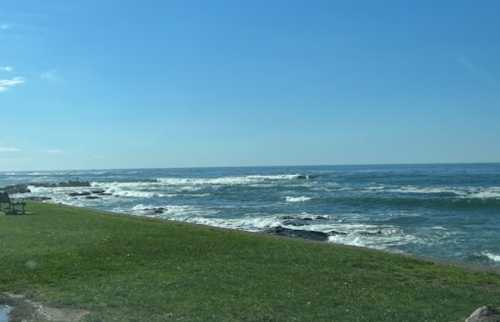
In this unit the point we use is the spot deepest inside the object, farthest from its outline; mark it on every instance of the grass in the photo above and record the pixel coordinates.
(124, 268)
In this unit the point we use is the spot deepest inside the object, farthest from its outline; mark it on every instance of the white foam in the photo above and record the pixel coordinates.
(252, 224)
(138, 193)
(297, 199)
(235, 180)
(172, 211)
(372, 236)
(463, 192)
(438, 228)
(143, 189)
(427, 190)
(491, 256)
(486, 193)
(376, 188)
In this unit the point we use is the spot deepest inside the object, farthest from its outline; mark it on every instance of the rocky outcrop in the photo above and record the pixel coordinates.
(484, 314)
(301, 220)
(296, 233)
(154, 211)
(79, 194)
(64, 184)
(18, 188)
(336, 233)
(24, 187)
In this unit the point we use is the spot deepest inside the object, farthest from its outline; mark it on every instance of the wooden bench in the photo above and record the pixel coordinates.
(11, 207)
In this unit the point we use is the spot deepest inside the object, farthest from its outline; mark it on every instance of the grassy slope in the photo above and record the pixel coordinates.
(130, 269)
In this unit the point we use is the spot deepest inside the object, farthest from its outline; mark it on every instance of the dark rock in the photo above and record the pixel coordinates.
(92, 197)
(484, 314)
(74, 184)
(65, 184)
(155, 211)
(306, 176)
(370, 233)
(334, 233)
(18, 188)
(98, 191)
(79, 194)
(305, 234)
(301, 220)
(297, 222)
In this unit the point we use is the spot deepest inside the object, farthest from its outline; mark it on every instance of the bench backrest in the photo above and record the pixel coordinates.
(4, 197)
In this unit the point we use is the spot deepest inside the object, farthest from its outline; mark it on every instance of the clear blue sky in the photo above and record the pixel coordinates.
(117, 84)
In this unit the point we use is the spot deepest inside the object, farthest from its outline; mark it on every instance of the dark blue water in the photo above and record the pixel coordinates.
(441, 211)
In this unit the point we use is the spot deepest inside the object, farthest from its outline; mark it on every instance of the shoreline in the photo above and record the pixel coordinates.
(76, 258)
(419, 210)
(469, 266)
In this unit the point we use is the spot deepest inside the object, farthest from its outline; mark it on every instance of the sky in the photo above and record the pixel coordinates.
(133, 84)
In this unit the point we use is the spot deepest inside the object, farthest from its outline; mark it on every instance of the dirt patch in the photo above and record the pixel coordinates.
(25, 310)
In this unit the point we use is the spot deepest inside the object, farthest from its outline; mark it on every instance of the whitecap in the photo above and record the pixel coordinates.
(137, 193)
(372, 236)
(297, 199)
(177, 212)
(252, 224)
(235, 180)
(492, 256)
(428, 190)
(486, 193)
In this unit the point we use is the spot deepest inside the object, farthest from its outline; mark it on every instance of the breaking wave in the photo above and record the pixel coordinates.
(297, 199)
(491, 256)
(237, 180)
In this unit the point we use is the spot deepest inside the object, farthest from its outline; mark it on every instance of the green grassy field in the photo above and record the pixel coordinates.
(123, 268)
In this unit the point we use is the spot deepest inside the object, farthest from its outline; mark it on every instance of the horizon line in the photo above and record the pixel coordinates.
(261, 166)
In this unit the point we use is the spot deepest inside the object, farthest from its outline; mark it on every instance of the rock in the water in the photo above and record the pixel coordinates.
(297, 222)
(335, 233)
(79, 194)
(18, 188)
(74, 184)
(65, 184)
(92, 197)
(153, 211)
(305, 234)
(98, 191)
(370, 233)
(484, 314)
(301, 220)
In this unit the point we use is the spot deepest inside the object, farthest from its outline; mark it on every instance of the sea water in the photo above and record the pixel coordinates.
(449, 212)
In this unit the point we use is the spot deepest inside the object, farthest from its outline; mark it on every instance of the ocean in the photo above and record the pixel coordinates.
(448, 211)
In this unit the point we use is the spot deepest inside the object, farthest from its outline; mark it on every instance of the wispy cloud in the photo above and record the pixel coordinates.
(9, 149)
(6, 68)
(5, 84)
